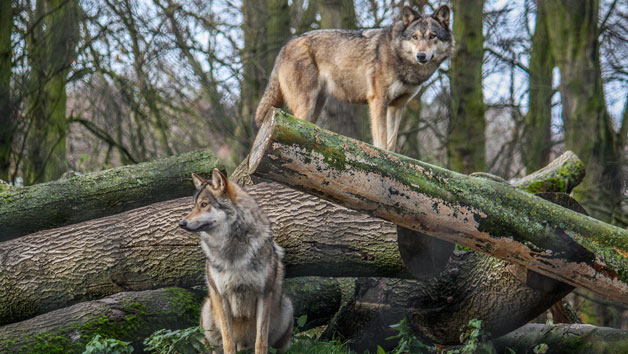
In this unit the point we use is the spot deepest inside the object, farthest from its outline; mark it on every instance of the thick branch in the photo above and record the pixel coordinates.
(92, 195)
(482, 214)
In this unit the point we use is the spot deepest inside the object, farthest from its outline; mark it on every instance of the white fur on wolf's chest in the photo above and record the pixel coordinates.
(398, 89)
(237, 282)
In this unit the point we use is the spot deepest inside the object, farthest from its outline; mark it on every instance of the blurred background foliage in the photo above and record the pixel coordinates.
(91, 84)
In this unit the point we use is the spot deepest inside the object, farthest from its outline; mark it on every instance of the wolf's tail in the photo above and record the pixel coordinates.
(272, 98)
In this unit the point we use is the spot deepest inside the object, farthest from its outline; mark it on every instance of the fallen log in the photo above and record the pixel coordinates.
(133, 316)
(482, 214)
(81, 197)
(126, 316)
(471, 285)
(145, 249)
(573, 339)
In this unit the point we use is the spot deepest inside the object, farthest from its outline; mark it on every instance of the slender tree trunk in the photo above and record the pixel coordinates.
(51, 49)
(466, 145)
(266, 28)
(6, 107)
(573, 31)
(538, 122)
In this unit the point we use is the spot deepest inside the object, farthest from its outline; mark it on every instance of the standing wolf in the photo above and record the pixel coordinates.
(382, 67)
(244, 272)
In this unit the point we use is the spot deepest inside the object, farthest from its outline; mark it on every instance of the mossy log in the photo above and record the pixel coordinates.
(133, 316)
(483, 214)
(81, 197)
(128, 316)
(572, 339)
(471, 285)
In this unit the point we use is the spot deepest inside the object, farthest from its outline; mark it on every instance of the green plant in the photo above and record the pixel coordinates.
(184, 341)
(101, 345)
(408, 342)
(475, 340)
(540, 348)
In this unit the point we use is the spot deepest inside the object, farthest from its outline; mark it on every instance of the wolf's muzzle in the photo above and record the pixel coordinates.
(204, 227)
(422, 58)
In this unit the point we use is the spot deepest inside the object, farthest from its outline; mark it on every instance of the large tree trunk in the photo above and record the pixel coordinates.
(466, 145)
(92, 195)
(482, 214)
(538, 121)
(6, 107)
(132, 316)
(572, 339)
(53, 35)
(574, 33)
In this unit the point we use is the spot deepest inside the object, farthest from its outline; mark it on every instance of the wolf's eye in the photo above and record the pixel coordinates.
(203, 204)
(432, 36)
(415, 37)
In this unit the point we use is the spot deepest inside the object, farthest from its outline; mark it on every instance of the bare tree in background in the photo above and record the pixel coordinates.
(51, 49)
(466, 131)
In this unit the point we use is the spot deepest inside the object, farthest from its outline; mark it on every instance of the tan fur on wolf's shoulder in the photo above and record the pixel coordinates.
(246, 305)
(380, 67)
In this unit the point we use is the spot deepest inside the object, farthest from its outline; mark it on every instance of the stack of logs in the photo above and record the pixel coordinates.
(102, 252)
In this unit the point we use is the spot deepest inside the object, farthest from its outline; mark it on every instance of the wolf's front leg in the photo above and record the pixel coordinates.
(263, 321)
(393, 118)
(223, 312)
(377, 112)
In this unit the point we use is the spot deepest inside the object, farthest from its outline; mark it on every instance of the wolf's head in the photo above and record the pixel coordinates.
(426, 38)
(214, 205)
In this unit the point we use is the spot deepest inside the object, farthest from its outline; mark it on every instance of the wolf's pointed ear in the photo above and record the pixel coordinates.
(442, 15)
(408, 15)
(198, 180)
(219, 181)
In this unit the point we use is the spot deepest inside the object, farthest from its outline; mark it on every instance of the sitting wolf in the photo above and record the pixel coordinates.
(244, 272)
(382, 67)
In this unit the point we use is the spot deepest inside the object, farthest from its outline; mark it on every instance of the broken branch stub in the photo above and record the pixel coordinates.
(489, 216)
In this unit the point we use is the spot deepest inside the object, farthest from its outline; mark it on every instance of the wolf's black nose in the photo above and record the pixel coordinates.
(183, 223)
(421, 57)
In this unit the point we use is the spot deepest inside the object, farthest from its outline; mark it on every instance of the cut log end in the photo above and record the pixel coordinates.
(262, 140)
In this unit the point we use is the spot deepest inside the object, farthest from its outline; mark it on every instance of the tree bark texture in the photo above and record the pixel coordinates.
(92, 195)
(144, 248)
(466, 145)
(133, 316)
(573, 339)
(482, 214)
